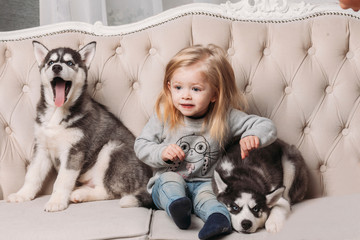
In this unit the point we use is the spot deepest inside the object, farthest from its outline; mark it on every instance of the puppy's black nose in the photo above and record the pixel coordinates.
(246, 224)
(57, 68)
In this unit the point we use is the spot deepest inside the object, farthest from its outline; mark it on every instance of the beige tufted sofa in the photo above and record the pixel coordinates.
(297, 64)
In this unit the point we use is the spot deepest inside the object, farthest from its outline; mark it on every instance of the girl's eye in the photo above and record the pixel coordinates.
(177, 87)
(196, 89)
(69, 63)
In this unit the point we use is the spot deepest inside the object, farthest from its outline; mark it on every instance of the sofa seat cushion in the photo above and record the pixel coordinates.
(327, 218)
(91, 220)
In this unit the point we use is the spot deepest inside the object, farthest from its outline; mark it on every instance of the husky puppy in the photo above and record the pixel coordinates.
(88, 146)
(260, 189)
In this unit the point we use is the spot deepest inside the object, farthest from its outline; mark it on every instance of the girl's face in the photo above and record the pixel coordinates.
(190, 91)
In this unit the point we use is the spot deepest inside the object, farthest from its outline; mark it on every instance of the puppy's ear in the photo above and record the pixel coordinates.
(40, 52)
(87, 53)
(220, 184)
(273, 197)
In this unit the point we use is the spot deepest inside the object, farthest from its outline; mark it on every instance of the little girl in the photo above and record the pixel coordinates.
(198, 112)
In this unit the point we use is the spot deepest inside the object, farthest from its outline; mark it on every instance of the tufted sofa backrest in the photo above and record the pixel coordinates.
(302, 72)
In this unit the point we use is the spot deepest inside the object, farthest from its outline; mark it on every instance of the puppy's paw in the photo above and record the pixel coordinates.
(129, 201)
(18, 198)
(274, 224)
(55, 206)
(57, 202)
(78, 196)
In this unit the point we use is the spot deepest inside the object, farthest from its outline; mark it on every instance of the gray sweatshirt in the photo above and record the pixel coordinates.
(201, 150)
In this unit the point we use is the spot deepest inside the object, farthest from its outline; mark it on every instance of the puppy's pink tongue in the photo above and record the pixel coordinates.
(60, 93)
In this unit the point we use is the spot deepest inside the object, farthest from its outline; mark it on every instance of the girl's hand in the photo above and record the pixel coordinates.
(247, 144)
(173, 152)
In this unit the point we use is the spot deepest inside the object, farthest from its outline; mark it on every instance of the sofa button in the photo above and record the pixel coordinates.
(307, 130)
(248, 89)
(8, 130)
(345, 132)
(349, 55)
(98, 86)
(119, 50)
(152, 51)
(266, 52)
(329, 89)
(7, 54)
(323, 168)
(311, 51)
(288, 90)
(231, 51)
(25, 89)
(136, 85)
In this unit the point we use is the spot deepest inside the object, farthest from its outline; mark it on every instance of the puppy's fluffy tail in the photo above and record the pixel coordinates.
(140, 199)
(299, 186)
(145, 199)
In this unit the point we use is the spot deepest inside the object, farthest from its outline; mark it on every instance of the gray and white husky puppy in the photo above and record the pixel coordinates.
(88, 146)
(260, 189)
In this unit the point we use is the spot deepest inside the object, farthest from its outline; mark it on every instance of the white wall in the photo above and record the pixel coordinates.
(18, 14)
(127, 11)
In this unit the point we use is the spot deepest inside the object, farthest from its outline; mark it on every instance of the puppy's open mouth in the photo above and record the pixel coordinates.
(61, 89)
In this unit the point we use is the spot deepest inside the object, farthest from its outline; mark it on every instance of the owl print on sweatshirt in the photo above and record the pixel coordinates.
(198, 157)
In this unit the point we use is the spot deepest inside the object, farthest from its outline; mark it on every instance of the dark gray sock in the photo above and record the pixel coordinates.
(215, 225)
(180, 211)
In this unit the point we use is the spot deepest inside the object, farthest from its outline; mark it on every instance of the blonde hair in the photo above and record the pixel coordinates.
(220, 75)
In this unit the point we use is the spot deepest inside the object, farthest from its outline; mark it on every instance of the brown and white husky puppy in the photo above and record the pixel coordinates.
(259, 190)
(88, 146)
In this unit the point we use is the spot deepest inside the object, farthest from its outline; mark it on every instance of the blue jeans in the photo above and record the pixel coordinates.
(171, 186)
